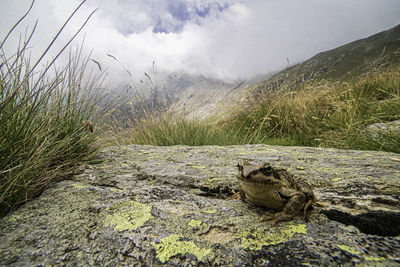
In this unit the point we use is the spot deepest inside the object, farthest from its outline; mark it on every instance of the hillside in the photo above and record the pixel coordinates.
(347, 62)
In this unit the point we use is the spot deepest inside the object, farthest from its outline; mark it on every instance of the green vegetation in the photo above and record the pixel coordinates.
(324, 114)
(45, 120)
(312, 113)
(166, 129)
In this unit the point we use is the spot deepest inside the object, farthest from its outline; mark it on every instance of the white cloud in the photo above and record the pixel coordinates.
(226, 39)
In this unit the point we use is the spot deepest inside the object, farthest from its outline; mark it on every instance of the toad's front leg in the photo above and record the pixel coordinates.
(295, 202)
(239, 195)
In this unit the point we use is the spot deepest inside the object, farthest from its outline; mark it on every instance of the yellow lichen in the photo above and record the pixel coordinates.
(80, 186)
(195, 223)
(349, 249)
(117, 190)
(198, 166)
(370, 258)
(171, 246)
(256, 239)
(210, 211)
(212, 181)
(128, 215)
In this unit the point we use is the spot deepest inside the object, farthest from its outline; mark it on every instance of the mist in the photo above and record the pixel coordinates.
(227, 39)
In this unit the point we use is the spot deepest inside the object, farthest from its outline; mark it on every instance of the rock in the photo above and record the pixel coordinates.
(378, 131)
(153, 206)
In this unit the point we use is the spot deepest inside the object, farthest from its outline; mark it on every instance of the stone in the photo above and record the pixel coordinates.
(163, 206)
(378, 131)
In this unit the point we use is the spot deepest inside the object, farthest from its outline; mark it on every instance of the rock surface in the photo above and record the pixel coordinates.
(377, 131)
(153, 206)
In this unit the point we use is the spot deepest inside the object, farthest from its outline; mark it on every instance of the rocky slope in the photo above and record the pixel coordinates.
(208, 97)
(153, 206)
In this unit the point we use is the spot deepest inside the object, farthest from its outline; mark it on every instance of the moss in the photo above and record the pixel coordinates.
(128, 215)
(349, 249)
(171, 246)
(195, 223)
(256, 239)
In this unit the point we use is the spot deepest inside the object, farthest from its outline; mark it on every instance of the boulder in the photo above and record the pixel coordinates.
(155, 206)
(378, 131)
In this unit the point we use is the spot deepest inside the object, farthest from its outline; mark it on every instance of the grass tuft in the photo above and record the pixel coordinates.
(45, 122)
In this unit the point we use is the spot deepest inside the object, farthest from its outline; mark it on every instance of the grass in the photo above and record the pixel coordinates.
(45, 121)
(313, 113)
(162, 128)
(323, 114)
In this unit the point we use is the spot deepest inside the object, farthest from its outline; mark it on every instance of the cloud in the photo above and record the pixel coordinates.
(225, 39)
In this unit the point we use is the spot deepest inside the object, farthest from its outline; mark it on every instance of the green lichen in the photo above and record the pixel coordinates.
(349, 249)
(171, 246)
(195, 223)
(128, 215)
(256, 239)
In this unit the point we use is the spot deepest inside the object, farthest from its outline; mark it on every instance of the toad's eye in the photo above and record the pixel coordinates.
(266, 170)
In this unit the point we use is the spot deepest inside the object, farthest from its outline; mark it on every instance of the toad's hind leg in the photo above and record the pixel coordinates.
(306, 207)
(294, 204)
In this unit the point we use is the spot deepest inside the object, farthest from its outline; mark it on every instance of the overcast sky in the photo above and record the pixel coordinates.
(227, 39)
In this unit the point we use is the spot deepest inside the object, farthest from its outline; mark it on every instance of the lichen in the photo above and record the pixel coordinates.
(256, 239)
(195, 223)
(117, 190)
(213, 181)
(171, 246)
(349, 249)
(210, 211)
(198, 166)
(127, 215)
(80, 186)
(370, 258)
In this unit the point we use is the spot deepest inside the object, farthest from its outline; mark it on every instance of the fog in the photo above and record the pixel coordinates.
(228, 39)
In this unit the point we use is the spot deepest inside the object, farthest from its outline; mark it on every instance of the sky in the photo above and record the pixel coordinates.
(225, 39)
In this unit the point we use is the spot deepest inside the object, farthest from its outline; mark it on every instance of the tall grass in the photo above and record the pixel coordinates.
(310, 113)
(322, 113)
(45, 120)
(167, 129)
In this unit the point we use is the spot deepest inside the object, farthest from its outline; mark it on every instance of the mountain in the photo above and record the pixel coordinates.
(346, 62)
